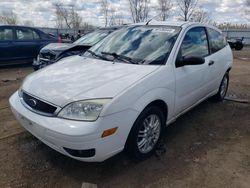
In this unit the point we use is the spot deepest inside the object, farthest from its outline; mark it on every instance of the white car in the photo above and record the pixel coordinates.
(124, 90)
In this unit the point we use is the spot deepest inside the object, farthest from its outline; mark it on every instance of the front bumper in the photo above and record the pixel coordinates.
(77, 135)
(41, 63)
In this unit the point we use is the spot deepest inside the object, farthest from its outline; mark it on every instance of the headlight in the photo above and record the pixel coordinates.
(87, 110)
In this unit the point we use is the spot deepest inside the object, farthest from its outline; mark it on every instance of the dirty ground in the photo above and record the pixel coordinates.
(207, 147)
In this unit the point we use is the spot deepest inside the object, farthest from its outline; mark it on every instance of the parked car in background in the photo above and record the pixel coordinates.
(236, 44)
(123, 91)
(66, 38)
(19, 44)
(55, 51)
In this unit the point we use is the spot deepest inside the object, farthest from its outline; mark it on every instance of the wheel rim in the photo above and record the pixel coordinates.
(149, 133)
(224, 84)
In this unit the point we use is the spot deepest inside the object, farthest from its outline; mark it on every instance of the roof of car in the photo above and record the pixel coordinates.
(22, 26)
(154, 22)
(112, 27)
(4, 25)
(176, 23)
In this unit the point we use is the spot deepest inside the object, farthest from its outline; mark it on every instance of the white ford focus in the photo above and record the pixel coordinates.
(124, 90)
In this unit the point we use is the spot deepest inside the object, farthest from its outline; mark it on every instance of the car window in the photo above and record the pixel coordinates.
(35, 35)
(195, 43)
(92, 38)
(141, 44)
(217, 40)
(6, 34)
(24, 34)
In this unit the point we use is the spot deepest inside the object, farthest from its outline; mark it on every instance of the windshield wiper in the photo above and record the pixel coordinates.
(96, 55)
(120, 57)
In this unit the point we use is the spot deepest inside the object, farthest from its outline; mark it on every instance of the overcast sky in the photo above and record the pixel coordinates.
(41, 12)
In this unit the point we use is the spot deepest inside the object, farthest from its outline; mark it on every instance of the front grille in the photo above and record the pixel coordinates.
(38, 105)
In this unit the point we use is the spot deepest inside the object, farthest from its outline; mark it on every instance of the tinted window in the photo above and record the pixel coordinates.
(195, 43)
(6, 34)
(141, 44)
(217, 40)
(36, 36)
(24, 34)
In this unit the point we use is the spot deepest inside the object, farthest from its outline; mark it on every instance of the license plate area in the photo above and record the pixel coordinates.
(25, 121)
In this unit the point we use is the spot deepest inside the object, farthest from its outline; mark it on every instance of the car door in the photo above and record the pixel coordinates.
(218, 58)
(190, 79)
(25, 43)
(6, 44)
(40, 42)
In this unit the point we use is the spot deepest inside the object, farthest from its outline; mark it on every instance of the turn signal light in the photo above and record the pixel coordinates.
(109, 132)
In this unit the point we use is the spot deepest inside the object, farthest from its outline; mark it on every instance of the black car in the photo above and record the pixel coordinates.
(236, 44)
(54, 52)
(19, 44)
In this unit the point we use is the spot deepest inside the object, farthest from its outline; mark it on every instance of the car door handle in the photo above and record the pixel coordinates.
(211, 63)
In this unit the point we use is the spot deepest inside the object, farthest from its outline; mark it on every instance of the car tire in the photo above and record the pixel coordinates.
(223, 88)
(146, 133)
(238, 47)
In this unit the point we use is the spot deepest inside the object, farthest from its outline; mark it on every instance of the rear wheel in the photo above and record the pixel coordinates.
(223, 88)
(146, 133)
(238, 46)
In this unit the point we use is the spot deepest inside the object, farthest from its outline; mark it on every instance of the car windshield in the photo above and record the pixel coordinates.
(138, 45)
(92, 38)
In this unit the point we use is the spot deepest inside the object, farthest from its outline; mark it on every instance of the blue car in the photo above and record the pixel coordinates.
(19, 44)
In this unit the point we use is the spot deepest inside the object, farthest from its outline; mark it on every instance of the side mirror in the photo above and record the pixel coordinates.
(190, 60)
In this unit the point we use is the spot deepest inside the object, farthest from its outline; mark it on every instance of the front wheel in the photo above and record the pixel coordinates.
(146, 133)
(223, 88)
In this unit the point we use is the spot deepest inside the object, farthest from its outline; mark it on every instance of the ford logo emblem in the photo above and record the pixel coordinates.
(32, 102)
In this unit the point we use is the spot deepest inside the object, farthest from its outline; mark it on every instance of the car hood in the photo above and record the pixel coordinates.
(57, 47)
(79, 78)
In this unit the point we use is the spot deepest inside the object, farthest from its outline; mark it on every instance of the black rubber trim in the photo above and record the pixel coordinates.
(80, 153)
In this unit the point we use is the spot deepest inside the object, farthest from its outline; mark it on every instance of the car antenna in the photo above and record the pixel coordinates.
(151, 19)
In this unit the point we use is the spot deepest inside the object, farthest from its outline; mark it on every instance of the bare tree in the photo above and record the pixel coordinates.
(139, 10)
(187, 8)
(87, 26)
(110, 14)
(164, 7)
(200, 15)
(66, 16)
(105, 10)
(117, 17)
(62, 15)
(28, 23)
(75, 18)
(9, 18)
(112, 20)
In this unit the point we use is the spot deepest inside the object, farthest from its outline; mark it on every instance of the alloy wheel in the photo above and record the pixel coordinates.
(149, 133)
(224, 85)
